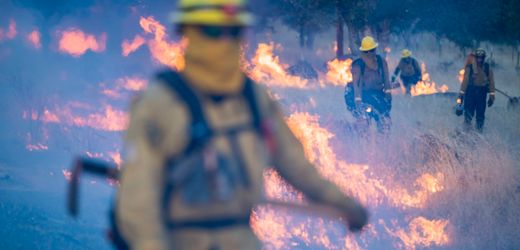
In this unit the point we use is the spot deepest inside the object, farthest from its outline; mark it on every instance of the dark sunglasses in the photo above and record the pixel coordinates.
(218, 32)
(370, 51)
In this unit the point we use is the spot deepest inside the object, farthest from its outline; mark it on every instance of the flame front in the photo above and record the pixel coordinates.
(339, 72)
(278, 230)
(163, 51)
(266, 68)
(34, 39)
(426, 86)
(75, 42)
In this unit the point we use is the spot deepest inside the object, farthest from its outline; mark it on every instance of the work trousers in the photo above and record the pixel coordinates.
(475, 103)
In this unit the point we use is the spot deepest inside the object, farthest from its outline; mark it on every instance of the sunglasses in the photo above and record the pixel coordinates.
(218, 32)
(370, 51)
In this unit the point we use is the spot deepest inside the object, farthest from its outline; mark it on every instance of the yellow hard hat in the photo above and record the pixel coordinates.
(368, 43)
(212, 12)
(406, 53)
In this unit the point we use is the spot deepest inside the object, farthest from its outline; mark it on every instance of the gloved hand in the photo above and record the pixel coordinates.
(393, 79)
(357, 217)
(388, 95)
(460, 99)
(491, 100)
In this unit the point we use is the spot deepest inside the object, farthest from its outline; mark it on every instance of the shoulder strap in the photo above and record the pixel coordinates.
(380, 67)
(361, 65)
(200, 131)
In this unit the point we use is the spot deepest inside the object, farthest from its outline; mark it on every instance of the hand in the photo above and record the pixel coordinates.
(460, 99)
(491, 100)
(357, 217)
(393, 79)
(388, 95)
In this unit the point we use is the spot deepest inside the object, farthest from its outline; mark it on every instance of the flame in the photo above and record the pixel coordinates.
(67, 174)
(339, 72)
(423, 233)
(75, 42)
(11, 31)
(461, 75)
(163, 51)
(266, 68)
(109, 119)
(36, 147)
(123, 85)
(131, 83)
(426, 86)
(34, 39)
(116, 158)
(129, 47)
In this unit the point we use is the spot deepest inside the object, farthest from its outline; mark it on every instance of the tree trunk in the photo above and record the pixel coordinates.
(339, 38)
(339, 33)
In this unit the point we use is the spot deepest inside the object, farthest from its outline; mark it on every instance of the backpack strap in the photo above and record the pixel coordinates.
(380, 68)
(486, 71)
(200, 131)
(249, 94)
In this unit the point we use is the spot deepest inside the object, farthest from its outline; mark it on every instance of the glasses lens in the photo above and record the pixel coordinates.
(235, 32)
(213, 32)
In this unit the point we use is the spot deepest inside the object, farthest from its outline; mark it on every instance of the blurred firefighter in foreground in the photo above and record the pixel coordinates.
(409, 69)
(370, 86)
(478, 82)
(199, 141)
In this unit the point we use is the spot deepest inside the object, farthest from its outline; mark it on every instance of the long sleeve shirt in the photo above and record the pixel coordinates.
(158, 129)
(478, 78)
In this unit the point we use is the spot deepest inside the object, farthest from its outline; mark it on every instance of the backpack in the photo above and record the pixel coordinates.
(186, 174)
(192, 183)
(486, 71)
(349, 88)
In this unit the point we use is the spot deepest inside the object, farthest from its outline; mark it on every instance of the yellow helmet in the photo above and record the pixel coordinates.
(406, 53)
(212, 12)
(368, 43)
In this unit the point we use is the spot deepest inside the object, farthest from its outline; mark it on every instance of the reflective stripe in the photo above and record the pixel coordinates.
(492, 93)
(358, 99)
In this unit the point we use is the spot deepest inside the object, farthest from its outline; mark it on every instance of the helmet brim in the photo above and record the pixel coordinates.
(212, 17)
(369, 48)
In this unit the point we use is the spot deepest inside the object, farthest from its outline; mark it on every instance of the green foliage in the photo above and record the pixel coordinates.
(464, 22)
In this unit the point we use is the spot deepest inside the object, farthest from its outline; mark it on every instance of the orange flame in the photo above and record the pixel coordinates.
(75, 42)
(423, 233)
(266, 68)
(11, 31)
(339, 72)
(426, 86)
(163, 51)
(34, 39)
(36, 147)
(109, 119)
(67, 174)
(461, 75)
(129, 47)
(116, 157)
(131, 83)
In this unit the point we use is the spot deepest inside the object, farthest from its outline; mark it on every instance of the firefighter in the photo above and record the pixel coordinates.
(371, 84)
(199, 140)
(409, 69)
(478, 82)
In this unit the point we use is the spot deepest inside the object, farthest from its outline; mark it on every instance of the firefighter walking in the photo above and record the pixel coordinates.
(409, 71)
(477, 84)
(371, 84)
